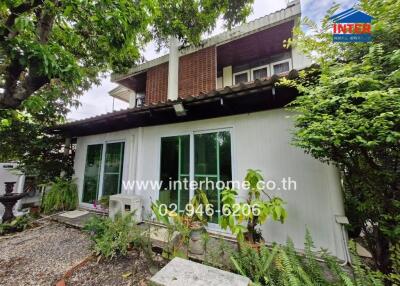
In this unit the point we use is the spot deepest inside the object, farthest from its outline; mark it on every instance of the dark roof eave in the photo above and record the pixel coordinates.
(136, 117)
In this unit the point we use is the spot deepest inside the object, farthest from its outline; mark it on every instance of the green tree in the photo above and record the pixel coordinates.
(25, 137)
(52, 51)
(46, 43)
(349, 115)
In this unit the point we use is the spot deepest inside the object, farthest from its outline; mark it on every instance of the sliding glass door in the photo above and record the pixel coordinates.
(208, 160)
(103, 171)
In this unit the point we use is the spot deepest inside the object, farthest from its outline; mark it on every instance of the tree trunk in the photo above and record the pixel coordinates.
(383, 254)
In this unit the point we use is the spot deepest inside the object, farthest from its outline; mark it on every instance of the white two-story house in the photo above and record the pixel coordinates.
(212, 112)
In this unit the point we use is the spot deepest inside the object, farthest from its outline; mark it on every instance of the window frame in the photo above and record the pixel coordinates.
(159, 160)
(102, 166)
(239, 73)
(280, 62)
(261, 67)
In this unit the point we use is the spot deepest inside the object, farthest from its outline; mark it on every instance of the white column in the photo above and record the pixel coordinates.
(227, 76)
(132, 99)
(173, 69)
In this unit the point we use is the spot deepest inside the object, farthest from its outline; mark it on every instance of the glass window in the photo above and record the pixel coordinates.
(175, 156)
(113, 168)
(212, 155)
(241, 77)
(280, 68)
(92, 173)
(260, 73)
(93, 187)
(140, 99)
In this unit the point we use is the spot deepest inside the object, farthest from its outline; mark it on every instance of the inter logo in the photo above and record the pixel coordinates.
(352, 26)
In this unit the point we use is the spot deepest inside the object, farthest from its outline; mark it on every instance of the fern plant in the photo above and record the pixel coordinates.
(283, 265)
(62, 195)
(256, 264)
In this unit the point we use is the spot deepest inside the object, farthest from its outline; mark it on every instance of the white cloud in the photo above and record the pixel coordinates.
(97, 101)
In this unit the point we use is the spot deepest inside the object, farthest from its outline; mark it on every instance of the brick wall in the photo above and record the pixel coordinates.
(197, 72)
(157, 84)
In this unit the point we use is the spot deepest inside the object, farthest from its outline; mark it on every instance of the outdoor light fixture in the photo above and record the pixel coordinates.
(179, 109)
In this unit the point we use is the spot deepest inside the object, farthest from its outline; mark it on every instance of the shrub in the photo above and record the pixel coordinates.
(18, 224)
(255, 211)
(63, 195)
(113, 238)
(105, 202)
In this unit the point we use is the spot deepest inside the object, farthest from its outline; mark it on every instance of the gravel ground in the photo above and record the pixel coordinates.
(41, 256)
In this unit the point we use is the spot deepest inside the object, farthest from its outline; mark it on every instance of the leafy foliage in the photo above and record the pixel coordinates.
(255, 211)
(52, 51)
(283, 265)
(26, 140)
(63, 195)
(348, 115)
(111, 238)
(104, 202)
(66, 44)
(20, 223)
(196, 217)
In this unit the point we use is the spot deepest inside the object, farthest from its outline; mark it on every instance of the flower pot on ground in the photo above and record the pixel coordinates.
(196, 245)
(244, 219)
(191, 224)
(105, 202)
(34, 211)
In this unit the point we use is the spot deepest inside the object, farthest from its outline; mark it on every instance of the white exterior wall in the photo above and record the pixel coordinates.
(299, 60)
(260, 140)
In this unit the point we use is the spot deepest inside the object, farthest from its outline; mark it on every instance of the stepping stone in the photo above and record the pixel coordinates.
(182, 272)
(74, 214)
(363, 252)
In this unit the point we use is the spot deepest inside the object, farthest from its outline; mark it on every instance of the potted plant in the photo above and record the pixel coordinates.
(198, 220)
(190, 224)
(104, 202)
(244, 218)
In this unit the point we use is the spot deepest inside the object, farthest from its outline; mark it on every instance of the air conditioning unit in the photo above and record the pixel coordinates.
(124, 204)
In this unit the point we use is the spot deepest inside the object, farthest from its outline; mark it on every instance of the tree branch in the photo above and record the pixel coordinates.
(15, 12)
(22, 91)
(17, 87)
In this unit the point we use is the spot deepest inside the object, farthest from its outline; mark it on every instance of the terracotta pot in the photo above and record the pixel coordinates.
(34, 210)
(254, 245)
(196, 242)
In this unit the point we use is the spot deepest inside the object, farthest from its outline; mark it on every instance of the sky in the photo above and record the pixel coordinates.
(97, 100)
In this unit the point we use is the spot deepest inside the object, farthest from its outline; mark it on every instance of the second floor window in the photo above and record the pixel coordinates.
(139, 100)
(281, 67)
(260, 72)
(241, 77)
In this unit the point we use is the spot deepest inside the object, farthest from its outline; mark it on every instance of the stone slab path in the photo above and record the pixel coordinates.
(182, 272)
